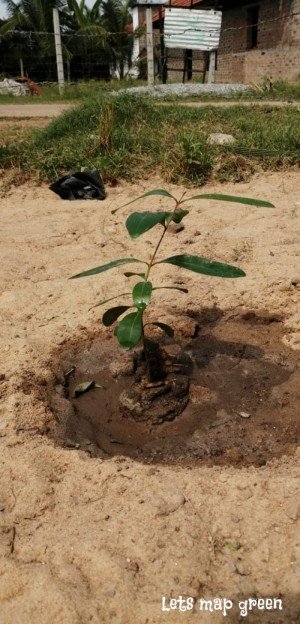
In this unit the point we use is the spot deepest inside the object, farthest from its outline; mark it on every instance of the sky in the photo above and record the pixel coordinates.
(3, 10)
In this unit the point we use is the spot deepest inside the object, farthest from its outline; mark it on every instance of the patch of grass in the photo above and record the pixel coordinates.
(130, 138)
(233, 545)
(71, 92)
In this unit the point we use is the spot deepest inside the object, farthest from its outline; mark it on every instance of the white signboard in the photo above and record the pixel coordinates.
(192, 29)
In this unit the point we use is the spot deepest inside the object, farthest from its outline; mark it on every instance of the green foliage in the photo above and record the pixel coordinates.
(233, 199)
(96, 38)
(113, 314)
(140, 222)
(129, 138)
(204, 266)
(105, 267)
(141, 294)
(166, 328)
(130, 331)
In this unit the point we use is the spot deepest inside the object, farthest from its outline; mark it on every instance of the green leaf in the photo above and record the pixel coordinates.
(158, 192)
(233, 198)
(166, 328)
(131, 274)
(129, 330)
(184, 290)
(202, 265)
(140, 222)
(141, 294)
(106, 267)
(110, 299)
(178, 215)
(153, 192)
(111, 315)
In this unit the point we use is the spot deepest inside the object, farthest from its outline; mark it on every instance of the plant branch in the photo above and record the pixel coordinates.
(155, 252)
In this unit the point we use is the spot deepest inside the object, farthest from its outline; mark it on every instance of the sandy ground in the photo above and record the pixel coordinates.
(53, 110)
(32, 110)
(102, 540)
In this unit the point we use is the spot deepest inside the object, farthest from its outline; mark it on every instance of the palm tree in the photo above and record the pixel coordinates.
(95, 38)
(34, 17)
(88, 38)
(117, 21)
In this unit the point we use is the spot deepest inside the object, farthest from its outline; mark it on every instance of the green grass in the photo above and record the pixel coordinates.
(131, 138)
(72, 92)
(280, 90)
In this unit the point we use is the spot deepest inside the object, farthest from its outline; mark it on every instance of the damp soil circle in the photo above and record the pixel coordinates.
(243, 407)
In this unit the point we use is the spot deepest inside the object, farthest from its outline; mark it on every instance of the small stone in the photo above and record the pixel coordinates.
(174, 501)
(110, 593)
(219, 138)
(293, 509)
(132, 566)
(245, 492)
(285, 287)
(2, 508)
(72, 444)
(240, 569)
(295, 281)
(175, 228)
(265, 553)
(244, 414)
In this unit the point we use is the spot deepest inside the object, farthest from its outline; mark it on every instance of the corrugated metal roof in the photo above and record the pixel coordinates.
(177, 3)
(192, 29)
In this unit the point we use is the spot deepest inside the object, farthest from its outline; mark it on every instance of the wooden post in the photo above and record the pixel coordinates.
(212, 67)
(150, 55)
(21, 67)
(68, 71)
(58, 51)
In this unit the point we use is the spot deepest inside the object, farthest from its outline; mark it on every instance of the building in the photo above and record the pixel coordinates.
(258, 39)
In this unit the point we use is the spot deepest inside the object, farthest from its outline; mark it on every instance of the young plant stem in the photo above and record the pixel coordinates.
(152, 351)
(155, 252)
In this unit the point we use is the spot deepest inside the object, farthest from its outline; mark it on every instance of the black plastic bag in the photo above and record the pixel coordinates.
(80, 185)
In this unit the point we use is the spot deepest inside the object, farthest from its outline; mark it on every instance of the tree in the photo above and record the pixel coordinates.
(34, 17)
(95, 38)
(88, 38)
(117, 20)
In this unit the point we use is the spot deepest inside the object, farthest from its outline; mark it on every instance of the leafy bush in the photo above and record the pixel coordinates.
(131, 330)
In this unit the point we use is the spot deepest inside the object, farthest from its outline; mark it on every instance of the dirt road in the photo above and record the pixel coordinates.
(32, 110)
(53, 110)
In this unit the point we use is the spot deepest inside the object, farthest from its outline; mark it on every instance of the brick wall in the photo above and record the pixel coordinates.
(277, 54)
